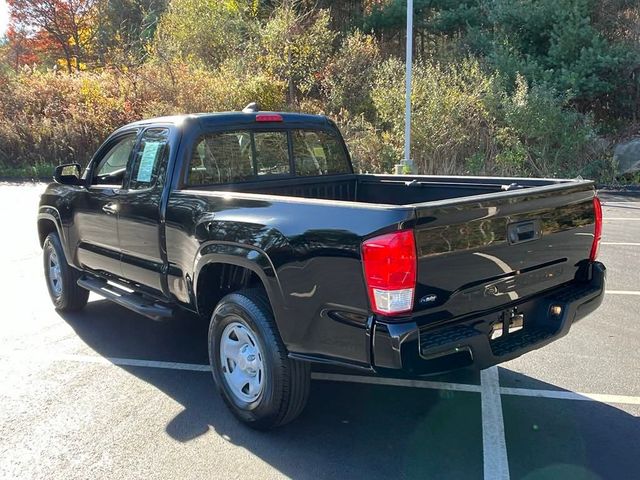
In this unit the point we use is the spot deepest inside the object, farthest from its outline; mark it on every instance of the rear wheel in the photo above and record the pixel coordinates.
(62, 279)
(260, 384)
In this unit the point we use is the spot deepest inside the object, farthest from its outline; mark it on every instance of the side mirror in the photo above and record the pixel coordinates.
(68, 174)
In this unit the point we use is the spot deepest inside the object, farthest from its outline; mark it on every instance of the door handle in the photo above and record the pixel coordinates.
(110, 208)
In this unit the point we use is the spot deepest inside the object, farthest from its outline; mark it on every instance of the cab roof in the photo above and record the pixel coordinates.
(221, 118)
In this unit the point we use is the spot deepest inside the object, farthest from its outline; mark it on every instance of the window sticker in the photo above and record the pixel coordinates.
(319, 152)
(148, 161)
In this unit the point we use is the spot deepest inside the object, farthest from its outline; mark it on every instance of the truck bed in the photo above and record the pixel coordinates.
(384, 189)
(520, 237)
(482, 242)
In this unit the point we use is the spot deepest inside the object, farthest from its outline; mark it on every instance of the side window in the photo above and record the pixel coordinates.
(272, 153)
(150, 158)
(112, 166)
(223, 157)
(317, 152)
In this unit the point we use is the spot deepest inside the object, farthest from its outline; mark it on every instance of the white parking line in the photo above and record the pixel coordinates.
(397, 382)
(622, 292)
(563, 395)
(130, 362)
(494, 445)
(606, 219)
(632, 244)
(334, 377)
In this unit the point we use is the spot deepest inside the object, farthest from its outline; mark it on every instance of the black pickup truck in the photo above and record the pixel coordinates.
(257, 222)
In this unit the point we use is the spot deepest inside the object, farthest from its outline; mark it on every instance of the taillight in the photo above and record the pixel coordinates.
(597, 231)
(390, 271)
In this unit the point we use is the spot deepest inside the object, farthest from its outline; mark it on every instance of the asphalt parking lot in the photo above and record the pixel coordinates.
(109, 394)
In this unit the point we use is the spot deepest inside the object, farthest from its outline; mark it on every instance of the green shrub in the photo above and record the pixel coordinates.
(204, 32)
(347, 78)
(541, 137)
(450, 121)
(178, 88)
(372, 149)
(48, 118)
(465, 122)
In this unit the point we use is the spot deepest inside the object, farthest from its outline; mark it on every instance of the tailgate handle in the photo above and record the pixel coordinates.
(523, 232)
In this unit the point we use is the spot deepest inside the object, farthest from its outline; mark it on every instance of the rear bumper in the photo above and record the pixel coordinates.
(421, 350)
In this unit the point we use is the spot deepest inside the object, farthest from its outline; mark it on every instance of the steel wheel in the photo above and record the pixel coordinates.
(242, 362)
(55, 275)
(62, 280)
(262, 386)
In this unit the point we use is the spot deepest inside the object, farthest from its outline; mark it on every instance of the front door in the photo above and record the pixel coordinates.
(95, 227)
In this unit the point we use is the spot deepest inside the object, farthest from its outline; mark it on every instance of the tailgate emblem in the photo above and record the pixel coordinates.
(428, 299)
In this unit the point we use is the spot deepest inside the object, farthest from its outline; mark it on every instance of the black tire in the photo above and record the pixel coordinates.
(66, 295)
(286, 381)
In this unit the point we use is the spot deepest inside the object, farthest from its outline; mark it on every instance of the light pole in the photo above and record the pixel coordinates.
(408, 163)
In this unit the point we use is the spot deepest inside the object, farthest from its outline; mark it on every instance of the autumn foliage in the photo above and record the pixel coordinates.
(53, 28)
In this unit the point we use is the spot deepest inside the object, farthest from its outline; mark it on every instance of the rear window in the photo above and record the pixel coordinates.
(272, 153)
(317, 152)
(236, 156)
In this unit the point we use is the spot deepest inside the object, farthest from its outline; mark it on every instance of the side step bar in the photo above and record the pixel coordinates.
(133, 301)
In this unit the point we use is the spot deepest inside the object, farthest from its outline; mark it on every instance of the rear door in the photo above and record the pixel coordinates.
(95, 227)
(139, 210)
(495, 249)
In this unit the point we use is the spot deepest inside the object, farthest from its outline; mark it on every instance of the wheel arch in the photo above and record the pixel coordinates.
(48, 223)
(217, 274)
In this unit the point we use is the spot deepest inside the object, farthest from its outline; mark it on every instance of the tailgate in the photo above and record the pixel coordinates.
(486, 252)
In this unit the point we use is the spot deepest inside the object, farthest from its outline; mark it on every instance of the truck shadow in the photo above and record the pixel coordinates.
(355, 430)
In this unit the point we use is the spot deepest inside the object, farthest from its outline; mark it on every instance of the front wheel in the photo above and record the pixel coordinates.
(62, 279)
(260, 384)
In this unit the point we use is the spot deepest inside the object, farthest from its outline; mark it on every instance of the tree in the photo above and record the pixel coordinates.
(295, 46)
(388, 19)
(21, 49)
(65, 25)
(205, 31)
(125, 30)
(555, 43)
(346, 79)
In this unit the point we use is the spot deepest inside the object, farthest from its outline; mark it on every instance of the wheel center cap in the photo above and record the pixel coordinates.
(247, 360)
